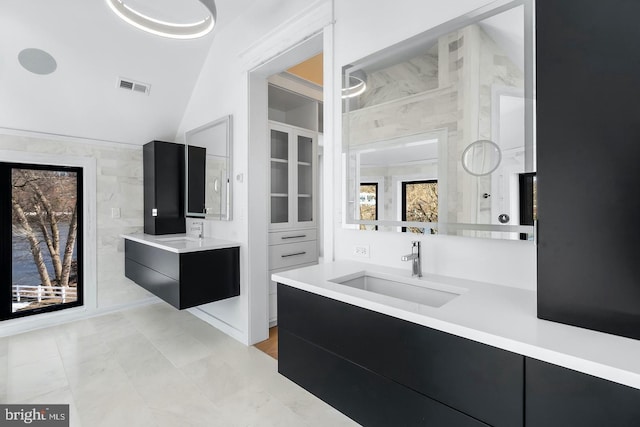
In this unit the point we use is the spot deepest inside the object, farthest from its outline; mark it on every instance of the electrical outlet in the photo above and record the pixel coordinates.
(361, 251)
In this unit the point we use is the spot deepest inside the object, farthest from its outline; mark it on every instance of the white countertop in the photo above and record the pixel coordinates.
(500, 316)
(181, 243)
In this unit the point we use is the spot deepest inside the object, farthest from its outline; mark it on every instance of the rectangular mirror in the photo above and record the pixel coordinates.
(209, 170)
(438, 130)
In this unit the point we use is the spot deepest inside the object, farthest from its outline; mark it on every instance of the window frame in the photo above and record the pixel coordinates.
(6, 238)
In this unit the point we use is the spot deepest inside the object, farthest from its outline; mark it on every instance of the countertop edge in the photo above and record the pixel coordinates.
(206, 244)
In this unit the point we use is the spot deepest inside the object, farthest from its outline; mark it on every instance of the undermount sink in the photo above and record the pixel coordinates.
(177, 239)
(413, 290)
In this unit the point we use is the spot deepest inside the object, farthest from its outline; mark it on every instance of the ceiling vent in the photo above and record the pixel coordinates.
(132, 85)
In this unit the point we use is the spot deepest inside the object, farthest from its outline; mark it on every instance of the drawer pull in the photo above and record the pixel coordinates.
(296, 254)
(293, 237)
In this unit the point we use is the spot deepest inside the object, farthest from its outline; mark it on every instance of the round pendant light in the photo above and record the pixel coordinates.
(159, 27)
(354, 84)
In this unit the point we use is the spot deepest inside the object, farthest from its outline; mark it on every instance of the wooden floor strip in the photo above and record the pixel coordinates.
(270, 345)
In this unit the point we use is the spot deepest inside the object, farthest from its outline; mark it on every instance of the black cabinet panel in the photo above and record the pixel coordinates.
(209, 276)
(197, 160)
(366, 397)
(163, 187)
(557, 396)
(588, 147)
(479, 380)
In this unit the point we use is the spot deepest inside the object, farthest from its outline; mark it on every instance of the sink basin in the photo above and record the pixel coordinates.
(175, 239)
(413, 290)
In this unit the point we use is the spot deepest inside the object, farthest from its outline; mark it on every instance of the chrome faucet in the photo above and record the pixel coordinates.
(414, 256)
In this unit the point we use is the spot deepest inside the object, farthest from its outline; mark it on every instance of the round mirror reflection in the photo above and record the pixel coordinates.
(481, 157)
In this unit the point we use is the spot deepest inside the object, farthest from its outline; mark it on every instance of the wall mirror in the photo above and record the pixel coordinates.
(209, 170)
(438, 137)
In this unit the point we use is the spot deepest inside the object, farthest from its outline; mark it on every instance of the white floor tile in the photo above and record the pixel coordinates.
(33, 379)
(154, 366)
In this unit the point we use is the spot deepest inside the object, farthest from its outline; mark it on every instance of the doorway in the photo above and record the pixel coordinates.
(259, 165)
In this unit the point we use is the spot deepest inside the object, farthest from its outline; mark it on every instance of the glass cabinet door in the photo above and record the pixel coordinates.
(305, 178)
(279, 177)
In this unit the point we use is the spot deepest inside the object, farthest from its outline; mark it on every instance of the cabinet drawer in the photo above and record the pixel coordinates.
(558, 397)
(290, 254)
(279, 237)
(164, 262)
(482, 381)
(366, 397)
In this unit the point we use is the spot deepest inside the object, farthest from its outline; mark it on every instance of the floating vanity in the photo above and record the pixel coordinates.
(183, 270)
(386, 348)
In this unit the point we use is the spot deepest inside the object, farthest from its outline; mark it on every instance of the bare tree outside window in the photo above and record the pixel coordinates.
(44, 228)
(368, 204)
(420, 203)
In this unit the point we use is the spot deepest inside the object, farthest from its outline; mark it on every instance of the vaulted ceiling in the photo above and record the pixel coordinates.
(93, 49)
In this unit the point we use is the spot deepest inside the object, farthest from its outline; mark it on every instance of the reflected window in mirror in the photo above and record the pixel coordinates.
(528, 201)
(454, 103)
(369, 204)
(420, 204)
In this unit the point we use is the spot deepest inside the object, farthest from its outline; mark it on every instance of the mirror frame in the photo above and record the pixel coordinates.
(227, 122)
(434, 33)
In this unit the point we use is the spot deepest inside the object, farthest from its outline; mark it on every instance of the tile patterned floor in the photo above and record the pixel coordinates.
(154, 366)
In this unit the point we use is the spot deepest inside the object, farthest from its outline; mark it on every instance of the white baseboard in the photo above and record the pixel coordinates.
(219, 324)
(45, 320)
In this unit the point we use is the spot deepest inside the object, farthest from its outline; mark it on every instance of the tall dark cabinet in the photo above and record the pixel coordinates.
(588, 157)
(164, 188)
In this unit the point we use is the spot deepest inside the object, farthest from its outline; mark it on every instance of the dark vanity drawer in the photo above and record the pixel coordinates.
(158, 284)
(557, 396)
(482, 381)
(368, 398)
(164, 262)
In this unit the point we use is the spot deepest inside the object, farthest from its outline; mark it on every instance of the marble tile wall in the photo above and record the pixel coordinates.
(118, 185)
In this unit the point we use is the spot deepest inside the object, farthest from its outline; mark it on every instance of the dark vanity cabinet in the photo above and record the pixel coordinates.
(383, 371)
(184, 279)
(588, 151)
(163, 188)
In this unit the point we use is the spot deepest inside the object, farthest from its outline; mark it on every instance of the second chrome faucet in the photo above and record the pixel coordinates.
(414, 257)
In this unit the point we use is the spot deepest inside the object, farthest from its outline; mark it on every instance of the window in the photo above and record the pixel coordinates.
(528, 201)
(41, 244)
(368, 204)
(420, 203)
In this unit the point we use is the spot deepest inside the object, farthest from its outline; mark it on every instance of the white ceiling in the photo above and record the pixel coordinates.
(93, 48)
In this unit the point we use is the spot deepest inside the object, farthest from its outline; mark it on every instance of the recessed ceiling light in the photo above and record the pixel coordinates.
(176, 30)
(37, 61)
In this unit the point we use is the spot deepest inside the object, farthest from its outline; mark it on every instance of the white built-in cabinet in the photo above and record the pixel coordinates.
(293, 158)
(293, 240)
(294, 122)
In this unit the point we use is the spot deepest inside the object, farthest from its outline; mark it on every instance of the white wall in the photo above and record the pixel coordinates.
(358, 34)
(118, 184)
(223, 88)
